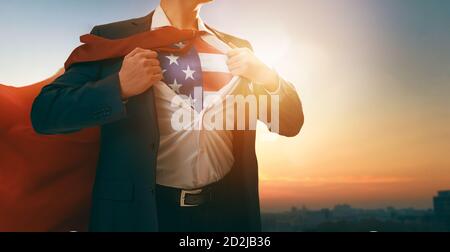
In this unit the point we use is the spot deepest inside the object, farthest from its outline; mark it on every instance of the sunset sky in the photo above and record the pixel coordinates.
(373, 75)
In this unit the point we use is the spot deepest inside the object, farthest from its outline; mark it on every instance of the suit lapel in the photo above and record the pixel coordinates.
(143, 106)
(144, 23)
(227, 39)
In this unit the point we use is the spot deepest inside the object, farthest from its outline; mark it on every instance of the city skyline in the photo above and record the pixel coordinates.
(339, 204)
(346, 218)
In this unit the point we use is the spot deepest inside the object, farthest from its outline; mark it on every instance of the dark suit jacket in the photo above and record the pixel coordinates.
(88, 95)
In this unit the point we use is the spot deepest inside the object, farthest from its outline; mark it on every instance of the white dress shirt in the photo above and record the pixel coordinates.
(193, 158)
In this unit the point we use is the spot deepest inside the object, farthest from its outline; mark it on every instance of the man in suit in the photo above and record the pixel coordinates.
(151, 177)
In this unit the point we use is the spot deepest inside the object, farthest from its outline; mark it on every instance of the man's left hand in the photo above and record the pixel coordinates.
(243, 62)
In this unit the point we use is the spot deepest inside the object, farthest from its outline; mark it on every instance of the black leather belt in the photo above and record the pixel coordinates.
(188, 198)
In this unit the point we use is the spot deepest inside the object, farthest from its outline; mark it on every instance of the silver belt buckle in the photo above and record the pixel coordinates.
(183, 197)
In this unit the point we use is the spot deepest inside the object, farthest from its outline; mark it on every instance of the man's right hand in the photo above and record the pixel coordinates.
(140, 71)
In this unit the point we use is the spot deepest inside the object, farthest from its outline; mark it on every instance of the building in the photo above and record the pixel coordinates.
(442, 207)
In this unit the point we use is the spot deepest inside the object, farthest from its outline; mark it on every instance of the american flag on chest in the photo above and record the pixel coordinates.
(200, 72)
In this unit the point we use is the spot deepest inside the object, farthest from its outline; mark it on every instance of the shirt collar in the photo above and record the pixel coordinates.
(160, 19)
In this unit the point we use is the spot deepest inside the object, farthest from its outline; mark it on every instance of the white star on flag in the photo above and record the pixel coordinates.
(189, 73)
(173, 59)
(175, 86)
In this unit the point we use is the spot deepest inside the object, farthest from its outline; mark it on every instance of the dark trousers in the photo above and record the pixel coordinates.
(209, 217)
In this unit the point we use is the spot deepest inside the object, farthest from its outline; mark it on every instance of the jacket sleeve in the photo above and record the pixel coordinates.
(290, 116)
(78, 99)
(290, 111)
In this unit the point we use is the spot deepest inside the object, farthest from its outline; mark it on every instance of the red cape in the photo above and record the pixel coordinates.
(45, 181)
